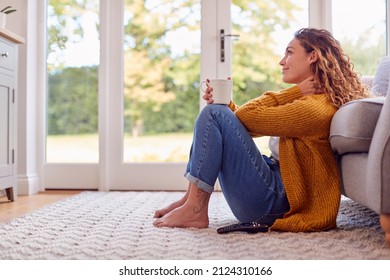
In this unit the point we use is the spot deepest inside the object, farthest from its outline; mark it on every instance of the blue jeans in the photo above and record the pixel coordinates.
(251, 183)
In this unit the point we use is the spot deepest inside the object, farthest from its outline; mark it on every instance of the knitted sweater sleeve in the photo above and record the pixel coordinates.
(285, 113)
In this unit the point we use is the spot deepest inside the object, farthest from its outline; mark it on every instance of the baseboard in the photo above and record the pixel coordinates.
(28, 184)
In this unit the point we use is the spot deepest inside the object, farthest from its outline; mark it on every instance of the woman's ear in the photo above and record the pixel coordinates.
(313, 56)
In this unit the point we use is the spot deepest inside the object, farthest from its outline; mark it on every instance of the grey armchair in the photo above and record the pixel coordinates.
(360, 138)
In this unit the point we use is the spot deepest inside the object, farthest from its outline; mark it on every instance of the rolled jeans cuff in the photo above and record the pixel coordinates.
(199, 183)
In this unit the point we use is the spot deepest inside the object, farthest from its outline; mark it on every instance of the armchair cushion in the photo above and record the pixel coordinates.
(353, 125)
(380, 84)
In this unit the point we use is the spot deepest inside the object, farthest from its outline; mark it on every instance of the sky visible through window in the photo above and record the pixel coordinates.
(353, 17)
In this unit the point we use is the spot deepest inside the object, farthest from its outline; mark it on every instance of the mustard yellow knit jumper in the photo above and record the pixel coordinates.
(307, 163)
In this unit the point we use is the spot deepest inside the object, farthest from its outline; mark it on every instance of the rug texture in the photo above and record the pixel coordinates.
(118, 226)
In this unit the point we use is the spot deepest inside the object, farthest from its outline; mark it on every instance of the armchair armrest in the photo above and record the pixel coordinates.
(378, 165)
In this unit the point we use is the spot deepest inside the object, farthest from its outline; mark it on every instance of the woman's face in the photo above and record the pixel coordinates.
(296, 63)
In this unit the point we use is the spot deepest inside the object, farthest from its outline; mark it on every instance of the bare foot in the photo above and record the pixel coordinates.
(183, 217)
(162, 212)
(193, 213)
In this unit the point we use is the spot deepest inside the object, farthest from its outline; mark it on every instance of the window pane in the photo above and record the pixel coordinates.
(360, 26)
(161, 77)
(72, 68)
(262, 43)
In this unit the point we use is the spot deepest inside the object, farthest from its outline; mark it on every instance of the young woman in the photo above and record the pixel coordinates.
(297, 188)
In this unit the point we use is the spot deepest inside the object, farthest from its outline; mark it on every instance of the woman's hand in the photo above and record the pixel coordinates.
(208, 96)
(207, 93)
(309, 86)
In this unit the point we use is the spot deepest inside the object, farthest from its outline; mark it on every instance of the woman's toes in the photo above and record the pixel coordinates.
(157, 214)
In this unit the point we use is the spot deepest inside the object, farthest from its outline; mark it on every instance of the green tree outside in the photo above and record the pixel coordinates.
(72, 103)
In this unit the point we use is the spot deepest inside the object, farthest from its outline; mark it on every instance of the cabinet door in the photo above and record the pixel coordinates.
(6, 120)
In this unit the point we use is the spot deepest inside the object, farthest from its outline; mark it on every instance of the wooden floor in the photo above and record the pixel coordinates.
(25, 204)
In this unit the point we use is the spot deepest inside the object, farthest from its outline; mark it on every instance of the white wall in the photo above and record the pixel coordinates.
(24, 22)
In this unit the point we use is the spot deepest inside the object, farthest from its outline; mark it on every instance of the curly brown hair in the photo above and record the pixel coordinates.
(333, 71)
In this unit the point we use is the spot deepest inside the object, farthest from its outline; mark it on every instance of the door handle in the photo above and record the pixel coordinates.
(222, 42)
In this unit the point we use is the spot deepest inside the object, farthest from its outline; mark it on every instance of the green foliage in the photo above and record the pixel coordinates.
(64, 24)
(73, 101)
(365, 57)
(179, 114)
(154, 86)
(255, 65)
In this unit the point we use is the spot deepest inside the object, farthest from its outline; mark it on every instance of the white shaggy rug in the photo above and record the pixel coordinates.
(118, 226)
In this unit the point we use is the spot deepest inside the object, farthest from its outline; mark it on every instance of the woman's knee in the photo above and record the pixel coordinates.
(219, 115)
(215, 109)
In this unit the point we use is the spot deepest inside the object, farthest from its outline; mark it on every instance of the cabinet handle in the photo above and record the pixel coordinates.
(4, 54)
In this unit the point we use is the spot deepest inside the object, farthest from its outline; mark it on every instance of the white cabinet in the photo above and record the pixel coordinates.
(8, 97)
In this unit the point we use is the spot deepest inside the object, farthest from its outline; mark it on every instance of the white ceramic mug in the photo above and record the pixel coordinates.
(222, 90)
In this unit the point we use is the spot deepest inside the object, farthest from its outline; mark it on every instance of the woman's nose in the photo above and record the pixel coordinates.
(282, 61)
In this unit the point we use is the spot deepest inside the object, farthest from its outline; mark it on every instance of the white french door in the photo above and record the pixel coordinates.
(124, 175)
(114, 167)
